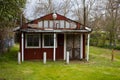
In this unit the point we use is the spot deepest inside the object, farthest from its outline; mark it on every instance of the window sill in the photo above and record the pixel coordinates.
(49, 47)
(32, 47)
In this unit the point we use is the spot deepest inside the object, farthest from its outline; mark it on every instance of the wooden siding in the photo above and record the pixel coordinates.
(37, 53)
(49, 17)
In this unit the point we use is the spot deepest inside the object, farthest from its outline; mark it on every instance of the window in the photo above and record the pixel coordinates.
(62, 24)
(48, 40)
(32, 41)
(73, 25)
(40, 24)
(45, 24)
(51, 24)
(57, 24)
(67, 25)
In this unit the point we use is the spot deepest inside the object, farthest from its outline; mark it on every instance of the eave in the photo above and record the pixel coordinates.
(54, 31)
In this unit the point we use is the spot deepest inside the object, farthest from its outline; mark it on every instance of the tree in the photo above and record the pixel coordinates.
(112, 13)
(9, 12)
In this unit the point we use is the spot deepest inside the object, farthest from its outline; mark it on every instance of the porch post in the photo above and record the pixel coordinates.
(67, 57)
(64, 46)
(88, 44)
(44, 57)
(54, 52)
(81, 46)
(19, 58)
(22, 46)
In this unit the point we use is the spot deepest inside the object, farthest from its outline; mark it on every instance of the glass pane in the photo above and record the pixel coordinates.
(51, 40)
(40, 24)
(62, 24)
(67, 25)
(36, 44)
(36, 38)
(48, 40)
(73, 25)
(45, 24)
(51, 24)
(57, 24)
(33, 40)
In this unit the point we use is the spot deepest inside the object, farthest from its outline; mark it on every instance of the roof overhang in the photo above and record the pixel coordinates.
(55, 31)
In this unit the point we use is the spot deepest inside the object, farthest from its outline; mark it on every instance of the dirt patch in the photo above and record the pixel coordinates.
(2, 79)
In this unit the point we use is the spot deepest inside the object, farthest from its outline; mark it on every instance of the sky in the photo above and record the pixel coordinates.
(31, 13)
(30, 9)
(31, 6)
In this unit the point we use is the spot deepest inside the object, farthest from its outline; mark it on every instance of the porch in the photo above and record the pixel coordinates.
(55, 45)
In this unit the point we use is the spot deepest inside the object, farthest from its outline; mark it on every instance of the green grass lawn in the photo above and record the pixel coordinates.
(99, 67)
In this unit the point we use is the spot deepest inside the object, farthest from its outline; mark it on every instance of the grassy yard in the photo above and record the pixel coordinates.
(99, 67)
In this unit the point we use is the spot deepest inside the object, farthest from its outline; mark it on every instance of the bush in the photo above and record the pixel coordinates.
(117, 48)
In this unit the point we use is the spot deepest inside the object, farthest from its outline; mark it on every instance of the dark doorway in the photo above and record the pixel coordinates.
(73, 45)
(60, 46)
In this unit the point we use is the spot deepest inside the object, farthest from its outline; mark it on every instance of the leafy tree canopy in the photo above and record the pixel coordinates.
(10, 10)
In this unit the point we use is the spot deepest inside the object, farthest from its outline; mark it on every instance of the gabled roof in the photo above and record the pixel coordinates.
(79, 27)
(50, 17)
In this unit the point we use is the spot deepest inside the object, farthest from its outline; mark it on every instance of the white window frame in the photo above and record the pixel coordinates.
(56, 23)
(32, 46)
(40, 24)
(51, 24)
(46, 24)
(43, 46)
(67, 24)
(73, 25)
(62, 23)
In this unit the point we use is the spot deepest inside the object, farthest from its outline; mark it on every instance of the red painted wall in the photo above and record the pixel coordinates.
(37, 53)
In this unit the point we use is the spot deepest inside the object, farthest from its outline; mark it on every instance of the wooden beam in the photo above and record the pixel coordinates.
(81, 46)
(22, 44)
(88, 44)
(64, 46)
(54, 52)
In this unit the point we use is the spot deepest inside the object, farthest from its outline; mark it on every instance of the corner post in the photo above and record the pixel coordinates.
(19, 58)
(22, 46)
(67, 57)
(88, 44)
(81, 46)
(64, 46)
(54, 52)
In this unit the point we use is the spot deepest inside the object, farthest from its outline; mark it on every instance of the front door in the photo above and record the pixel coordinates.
(60, 47)
(73, 45)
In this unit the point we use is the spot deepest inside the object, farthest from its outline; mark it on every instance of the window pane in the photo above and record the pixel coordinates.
(33, 40)
(40, 24)
(48, 40)
(45, 24)
(62, 24)
(51, 40)
(57, 24)
(67, 25)
(73, 25)
(36, 44)
(51, 24)
(29, 43)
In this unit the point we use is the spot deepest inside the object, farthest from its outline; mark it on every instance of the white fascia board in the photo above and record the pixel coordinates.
(87, 28)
